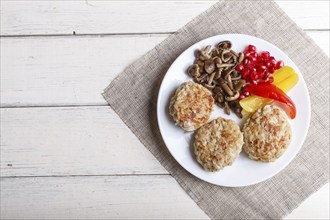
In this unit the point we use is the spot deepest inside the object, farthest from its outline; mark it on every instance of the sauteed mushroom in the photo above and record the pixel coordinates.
(222, 65)
(227, 73)
(218, 90)
(215, 70)
(226, 55)
(215, 52)
(240, 57)
(227, 109)
(218, 73)
(237, 77)
(226, 89)
(200, 64)
(194, 71)
(217, 60)
(224, 45)
(220, 97)
(234, 53)
(232, 98)
(205, 53)
(239, 85)
(209, 66)
(201, 78)
(210, 85)
(230, 83)
(234, 60)
(235, 106)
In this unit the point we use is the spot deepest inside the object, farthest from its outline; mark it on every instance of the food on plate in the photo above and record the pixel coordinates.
(284, 78)
(217, 144)
(270, 91)
(215, 70)
(258, 67)
(267, 134)
(247, 83)
(282, 75)
(191, 106)
(231, 76)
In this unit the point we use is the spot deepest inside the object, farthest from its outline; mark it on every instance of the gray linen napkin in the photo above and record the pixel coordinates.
(133, 96)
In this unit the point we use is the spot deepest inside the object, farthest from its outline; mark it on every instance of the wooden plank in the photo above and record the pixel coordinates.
(124, 197)
(65, 70)
(95, 17)
(308, 14)
(76, 69)
(322, 39)
(114, 197)
(70, 141)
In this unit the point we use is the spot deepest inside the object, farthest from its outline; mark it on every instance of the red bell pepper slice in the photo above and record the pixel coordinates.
(270, 91)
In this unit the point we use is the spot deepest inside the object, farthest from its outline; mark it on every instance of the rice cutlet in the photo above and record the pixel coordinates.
(267, 134)
(191, 106)
(217, 144)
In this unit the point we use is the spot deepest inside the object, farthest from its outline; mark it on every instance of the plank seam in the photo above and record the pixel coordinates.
(52, 106)
(114, 34)
(96, 175)
(85, 34)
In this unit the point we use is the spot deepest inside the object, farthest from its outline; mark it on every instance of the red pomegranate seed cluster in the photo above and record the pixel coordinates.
(257, 67)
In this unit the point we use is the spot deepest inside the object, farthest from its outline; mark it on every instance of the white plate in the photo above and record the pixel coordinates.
(244, 171)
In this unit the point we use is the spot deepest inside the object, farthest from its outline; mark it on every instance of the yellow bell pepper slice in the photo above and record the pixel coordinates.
(284, 78)
(287, 84)
(282, 74)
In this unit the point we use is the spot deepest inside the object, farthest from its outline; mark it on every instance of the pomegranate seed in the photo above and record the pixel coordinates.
(254, 82)
(251, 54)
(248, 83)
(271, 70)
(245, 73)
(247, 53)
(241, 96)
(260, 75)
(245, 62)
(268, 64)
(265, 54)
(254, 54)
(270, 79)
(260, 71)
(266, 74)
(253, 69)
(246, 93)
(251, 48)
(260, 60)
(254, 77)
(239, 67)
(279, 64)
(272, 60)
(248, 66)
(252, 59)
(262, 67)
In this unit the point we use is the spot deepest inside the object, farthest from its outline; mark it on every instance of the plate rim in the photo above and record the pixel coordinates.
(294, 153)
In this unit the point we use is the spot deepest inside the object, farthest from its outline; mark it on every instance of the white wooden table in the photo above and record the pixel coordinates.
(64, 152)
